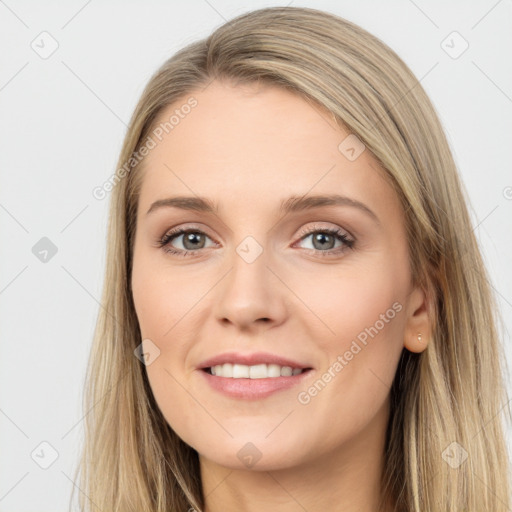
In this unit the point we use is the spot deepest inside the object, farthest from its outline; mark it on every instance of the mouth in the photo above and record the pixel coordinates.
(253, 376)
(257, 371)
(253, 382)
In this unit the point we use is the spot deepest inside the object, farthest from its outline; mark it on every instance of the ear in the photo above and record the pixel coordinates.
(417, 331)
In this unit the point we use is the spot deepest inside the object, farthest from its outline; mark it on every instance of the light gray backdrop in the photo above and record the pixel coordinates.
(70, 75)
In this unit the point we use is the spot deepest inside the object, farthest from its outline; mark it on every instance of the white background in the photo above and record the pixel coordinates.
(61, 126)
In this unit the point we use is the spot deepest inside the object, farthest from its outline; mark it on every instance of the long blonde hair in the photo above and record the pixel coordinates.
(453, 392)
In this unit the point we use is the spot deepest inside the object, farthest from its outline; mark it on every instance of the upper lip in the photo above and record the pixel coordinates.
(250, 360)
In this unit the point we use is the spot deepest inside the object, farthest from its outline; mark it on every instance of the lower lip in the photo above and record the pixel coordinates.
(253, 389)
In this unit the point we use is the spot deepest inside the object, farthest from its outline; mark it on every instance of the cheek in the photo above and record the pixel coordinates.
(159, 301)
(360, 304)
(365, 315)
(159, 310)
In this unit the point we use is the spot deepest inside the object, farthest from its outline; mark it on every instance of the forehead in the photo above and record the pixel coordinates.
(251, 144)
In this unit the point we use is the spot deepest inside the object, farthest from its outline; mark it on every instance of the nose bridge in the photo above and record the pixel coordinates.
(250, 249)
(248, 282)
(250, 291)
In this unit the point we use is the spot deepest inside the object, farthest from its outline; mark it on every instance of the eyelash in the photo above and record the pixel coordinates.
(164, 242)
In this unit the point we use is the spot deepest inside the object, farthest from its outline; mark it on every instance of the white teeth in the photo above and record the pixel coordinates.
(273, 370)
(286, 371)
(240, 371)
(258, 371)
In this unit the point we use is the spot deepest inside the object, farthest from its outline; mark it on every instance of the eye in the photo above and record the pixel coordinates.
(192, 241)
(324, 240)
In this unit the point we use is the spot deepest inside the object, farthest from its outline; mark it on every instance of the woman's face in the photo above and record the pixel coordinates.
(323, 284)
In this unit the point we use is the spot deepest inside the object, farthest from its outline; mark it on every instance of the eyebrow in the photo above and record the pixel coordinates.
(290, 205)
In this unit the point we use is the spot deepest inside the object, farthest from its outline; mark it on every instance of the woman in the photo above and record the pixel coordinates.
(297, 316)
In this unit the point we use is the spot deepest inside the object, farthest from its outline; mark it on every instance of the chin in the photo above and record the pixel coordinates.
(258, 455)
(267, 462)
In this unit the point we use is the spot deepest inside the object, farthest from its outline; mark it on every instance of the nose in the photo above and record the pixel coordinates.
(250, 296)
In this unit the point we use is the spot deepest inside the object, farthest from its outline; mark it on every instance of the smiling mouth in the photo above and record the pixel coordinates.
(257, 371)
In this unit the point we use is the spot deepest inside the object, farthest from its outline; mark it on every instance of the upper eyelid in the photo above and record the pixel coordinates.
(315, 227)
(181, 230)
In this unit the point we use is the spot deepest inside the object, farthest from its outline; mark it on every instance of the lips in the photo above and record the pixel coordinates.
(242, 384)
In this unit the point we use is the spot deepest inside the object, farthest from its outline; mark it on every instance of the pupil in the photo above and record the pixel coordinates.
(321, 238)
(191, 237)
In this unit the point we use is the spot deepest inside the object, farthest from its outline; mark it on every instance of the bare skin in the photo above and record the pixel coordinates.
(305, 298)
